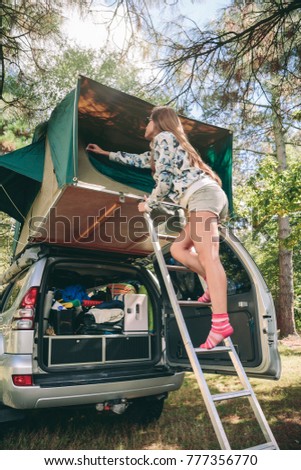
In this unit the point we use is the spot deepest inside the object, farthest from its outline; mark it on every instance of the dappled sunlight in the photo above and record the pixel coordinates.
(233, 419)
(156, 446)
(289, 419)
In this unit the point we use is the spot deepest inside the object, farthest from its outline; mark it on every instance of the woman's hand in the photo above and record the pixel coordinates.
(142, 206)
(96, 149)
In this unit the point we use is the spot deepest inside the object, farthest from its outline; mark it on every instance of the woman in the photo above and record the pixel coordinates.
(181, 175)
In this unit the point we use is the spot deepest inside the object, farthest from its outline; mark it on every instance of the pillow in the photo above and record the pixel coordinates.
(121, 288)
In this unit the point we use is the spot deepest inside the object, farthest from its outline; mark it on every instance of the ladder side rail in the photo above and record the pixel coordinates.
(210, 405)
(262, 421)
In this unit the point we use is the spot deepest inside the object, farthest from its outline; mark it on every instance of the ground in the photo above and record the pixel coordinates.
(291, 341)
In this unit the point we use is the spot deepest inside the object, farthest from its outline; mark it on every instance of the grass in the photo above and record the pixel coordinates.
(184, 424)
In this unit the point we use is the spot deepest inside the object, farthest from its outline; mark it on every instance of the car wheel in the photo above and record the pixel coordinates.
(144, 411)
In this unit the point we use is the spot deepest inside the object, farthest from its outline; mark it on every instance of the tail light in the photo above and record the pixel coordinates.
(22, 380)
(24, 316)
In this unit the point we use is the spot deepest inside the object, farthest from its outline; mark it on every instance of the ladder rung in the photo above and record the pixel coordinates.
(265, 446)
(217, 349)
(174, 267)
(167, 236)
(193, 303)
(229, 395)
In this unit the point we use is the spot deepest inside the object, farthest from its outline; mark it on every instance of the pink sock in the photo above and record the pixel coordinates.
(205, 298)
(220, 329)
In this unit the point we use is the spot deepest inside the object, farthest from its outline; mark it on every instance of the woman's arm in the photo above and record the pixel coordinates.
(140, 161)
(164, 147)
(96, 149)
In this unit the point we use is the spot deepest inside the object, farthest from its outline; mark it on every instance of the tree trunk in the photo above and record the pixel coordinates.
(285, 301)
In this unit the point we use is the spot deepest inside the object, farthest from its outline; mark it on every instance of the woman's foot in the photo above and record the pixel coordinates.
(220, 330)
(205, 298)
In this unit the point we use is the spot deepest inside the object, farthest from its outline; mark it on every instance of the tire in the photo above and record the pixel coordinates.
(144, 411)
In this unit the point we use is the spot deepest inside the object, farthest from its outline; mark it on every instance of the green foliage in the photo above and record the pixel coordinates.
(297, 115)
(264, 197)
(26, 27)
(272, 194)
(7, 230)
(110, 69)
(13, 133)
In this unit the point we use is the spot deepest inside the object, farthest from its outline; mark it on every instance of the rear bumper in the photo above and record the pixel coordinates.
(46, 393)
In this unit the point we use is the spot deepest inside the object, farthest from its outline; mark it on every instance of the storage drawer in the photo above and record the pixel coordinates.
(63, 350)
(127, 348)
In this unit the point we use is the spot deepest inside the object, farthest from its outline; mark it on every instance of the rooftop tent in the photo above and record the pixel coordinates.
(73, 191)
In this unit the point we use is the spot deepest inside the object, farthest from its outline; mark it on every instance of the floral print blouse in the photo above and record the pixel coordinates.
(173, 172)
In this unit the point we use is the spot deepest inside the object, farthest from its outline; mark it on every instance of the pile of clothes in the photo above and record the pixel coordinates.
(73, 311)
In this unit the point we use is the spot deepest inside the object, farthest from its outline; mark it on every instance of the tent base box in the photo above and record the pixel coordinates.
(135, 313)
(65, 351)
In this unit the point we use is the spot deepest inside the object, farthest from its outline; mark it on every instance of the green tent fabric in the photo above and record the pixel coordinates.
(27, 161)
(20, 179)
(219, 157)
(138, 178)
(62, 136)
(17, 193)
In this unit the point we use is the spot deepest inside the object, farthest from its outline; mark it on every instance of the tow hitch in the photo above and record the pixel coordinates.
(115, 406)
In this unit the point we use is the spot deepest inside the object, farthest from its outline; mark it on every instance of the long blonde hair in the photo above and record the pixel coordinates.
(166, 119)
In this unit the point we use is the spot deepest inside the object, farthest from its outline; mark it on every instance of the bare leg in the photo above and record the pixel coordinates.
(183, 251)
(205, 237)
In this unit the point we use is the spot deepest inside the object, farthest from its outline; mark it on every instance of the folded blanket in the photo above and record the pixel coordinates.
(110, 315)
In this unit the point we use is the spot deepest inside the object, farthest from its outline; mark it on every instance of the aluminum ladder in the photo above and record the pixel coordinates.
(193, 353)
